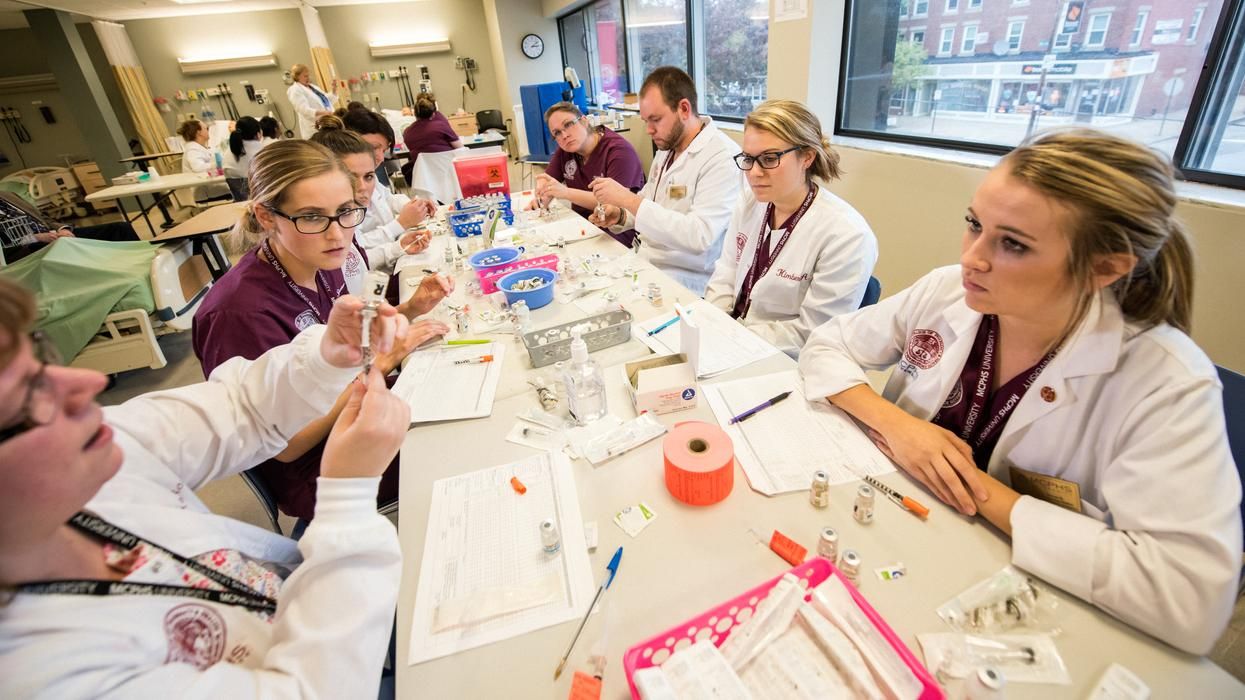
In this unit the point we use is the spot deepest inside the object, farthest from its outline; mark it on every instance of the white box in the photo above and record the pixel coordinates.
(662, 384)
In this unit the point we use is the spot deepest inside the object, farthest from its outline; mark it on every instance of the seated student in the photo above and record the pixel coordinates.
(271, 129)
(1047, 383)
(388, 214)
(302, 211)
(429, 133)
(680, 215)
(76, 482)
(799, 254)
(244, 142)
(356, 155)
(198, 158)
(584, 154)
(23, 229)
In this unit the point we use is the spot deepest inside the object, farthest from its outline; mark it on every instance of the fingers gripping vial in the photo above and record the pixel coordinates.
(373, 296)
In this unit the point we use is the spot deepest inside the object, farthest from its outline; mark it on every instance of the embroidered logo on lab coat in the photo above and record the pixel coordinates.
(569, 168)
(955, 397)
(741, 240)
(924, 348)
(782, 272)
(196, 635)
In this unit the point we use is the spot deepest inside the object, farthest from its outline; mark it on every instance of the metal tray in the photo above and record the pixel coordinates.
(612, 328)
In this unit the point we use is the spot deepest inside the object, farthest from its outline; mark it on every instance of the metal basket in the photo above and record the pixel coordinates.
(611, 328)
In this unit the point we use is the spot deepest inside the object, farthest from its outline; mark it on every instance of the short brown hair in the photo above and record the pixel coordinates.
(17, 316)
(189, 129)
(675, 86)
(569, 107)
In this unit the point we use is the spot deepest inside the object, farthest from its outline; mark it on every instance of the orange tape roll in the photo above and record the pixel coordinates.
(700, 463)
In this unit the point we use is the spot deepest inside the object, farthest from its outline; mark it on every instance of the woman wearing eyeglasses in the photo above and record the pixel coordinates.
(795, 255)
(584, 153)
(302, 213)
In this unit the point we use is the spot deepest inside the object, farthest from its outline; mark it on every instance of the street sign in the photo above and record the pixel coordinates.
(1173, 86)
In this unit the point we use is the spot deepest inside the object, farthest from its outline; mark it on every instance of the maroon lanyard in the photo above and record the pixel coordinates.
(965, 416)
(276, 265)
(763, 258)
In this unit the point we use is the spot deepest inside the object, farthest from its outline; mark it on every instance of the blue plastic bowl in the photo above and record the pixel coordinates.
(535, 298)
(504, 256)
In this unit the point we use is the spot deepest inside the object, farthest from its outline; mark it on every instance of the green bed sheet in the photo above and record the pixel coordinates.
(79, 282)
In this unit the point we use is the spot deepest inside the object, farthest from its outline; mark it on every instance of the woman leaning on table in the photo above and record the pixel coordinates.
(1047, 383)
(795, 254)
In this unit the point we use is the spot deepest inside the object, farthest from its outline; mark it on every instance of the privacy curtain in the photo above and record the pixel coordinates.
(132, 80)
(323, 69)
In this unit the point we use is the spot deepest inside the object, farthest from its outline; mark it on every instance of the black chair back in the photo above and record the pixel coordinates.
(238, 188)
(490, 119)
(872, 293)
(1234, 418)
(263, 492)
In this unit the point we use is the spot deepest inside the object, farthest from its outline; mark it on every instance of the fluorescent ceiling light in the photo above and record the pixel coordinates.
(393, 49)
(215, 65)
(197, 2)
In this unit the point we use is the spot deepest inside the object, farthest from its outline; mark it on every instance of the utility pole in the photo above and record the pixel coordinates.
(1048, 61)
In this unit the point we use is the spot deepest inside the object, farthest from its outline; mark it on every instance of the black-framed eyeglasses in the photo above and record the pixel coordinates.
(566, 126)
(768, 160)
(311, 224)
(39, 406)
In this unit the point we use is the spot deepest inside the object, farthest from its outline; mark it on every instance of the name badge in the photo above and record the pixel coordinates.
(1052, 489)
(677, 191)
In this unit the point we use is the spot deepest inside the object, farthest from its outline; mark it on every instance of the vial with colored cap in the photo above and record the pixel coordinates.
(550, 538)
(849, 566)
(828, 544)
(862, 510)
(819, 491)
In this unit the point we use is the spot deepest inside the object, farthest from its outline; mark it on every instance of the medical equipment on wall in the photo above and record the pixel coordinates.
(468, 66)
(404, 87)
(13, 125)
(425, 80)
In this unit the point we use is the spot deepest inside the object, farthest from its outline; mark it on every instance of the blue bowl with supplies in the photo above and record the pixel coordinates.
(533, 285)
(494, 257)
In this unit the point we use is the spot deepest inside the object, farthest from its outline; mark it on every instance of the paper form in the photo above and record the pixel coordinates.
(781, 446)
(437, 389)
(725, 344)
(484, 575)
(431, 258)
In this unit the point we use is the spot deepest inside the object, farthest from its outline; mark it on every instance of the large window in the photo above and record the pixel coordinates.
(722, 44)
(999, 80)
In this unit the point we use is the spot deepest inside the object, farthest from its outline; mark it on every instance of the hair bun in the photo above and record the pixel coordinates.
(329, 122)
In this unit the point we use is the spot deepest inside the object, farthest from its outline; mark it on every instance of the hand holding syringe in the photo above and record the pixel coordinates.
(373, 296)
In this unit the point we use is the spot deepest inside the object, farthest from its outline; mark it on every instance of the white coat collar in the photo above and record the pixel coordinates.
(708, 132)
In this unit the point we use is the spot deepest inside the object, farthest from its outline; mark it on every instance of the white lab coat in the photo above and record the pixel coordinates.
(197, 158)
(1136, 419)
(821, 272)
(381, 224)
(306, 103)
(682, 236)
(119, 646)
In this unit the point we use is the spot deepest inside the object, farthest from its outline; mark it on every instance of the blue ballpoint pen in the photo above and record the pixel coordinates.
(613, 569)
(665, 325)
(748, 413)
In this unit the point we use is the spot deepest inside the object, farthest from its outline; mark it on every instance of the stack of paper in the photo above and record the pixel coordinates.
(781, 446)
(485, 575)
(439, 389)
(725, 344)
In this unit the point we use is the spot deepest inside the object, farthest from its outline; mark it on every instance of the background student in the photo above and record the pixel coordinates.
(197, 157)
(429, 133)
(682, 211)
(798, 255)
(301, 213)
(136, 467)
(1048, 384)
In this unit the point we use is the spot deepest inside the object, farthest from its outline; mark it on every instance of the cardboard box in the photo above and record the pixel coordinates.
(662, 384)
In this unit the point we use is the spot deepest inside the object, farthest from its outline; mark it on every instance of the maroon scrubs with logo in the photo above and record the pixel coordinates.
(431, 135)
(249, 311)
(614, 157)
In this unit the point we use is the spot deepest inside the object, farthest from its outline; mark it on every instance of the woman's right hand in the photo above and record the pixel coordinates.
(368, 433)
(413, 212)
(935, 457)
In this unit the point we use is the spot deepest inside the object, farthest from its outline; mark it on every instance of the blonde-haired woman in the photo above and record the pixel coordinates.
(308, 100)
(1047, 383)
(302, 214)
(795, 255)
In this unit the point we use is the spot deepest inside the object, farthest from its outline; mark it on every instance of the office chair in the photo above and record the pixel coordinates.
(491, 120)
(873, 292)
(1234, 418)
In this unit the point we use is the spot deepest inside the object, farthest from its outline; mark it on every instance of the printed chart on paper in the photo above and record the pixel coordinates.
(438, 389)
(484, 575)
(780, 447)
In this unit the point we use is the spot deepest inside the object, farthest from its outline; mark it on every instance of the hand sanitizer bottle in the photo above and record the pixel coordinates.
(585, 384)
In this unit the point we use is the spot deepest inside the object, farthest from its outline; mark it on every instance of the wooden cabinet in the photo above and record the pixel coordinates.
(91, 181)
(463, 124)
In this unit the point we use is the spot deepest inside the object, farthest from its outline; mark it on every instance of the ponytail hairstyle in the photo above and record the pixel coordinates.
(274, 170)
(246, 129)
(189, 129)
(333, 135)
(1122, 198)
(270, 127)
(794, 123)
(425, 105)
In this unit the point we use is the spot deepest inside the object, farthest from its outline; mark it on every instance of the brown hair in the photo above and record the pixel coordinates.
(675, 86)
(1122, 197)
(425, 105)
(189, 129)
(17, 316)
(362, 120)
(570, 107)
(794, 123)
(274, 170)
(333, 135)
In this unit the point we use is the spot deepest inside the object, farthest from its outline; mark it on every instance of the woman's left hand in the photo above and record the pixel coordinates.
(343, 334)
(432, 289)
(415, 241)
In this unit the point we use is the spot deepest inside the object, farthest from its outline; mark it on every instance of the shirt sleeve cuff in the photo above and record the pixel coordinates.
(1055, 544)
(322, 380)
(393, 228)
(341, 500)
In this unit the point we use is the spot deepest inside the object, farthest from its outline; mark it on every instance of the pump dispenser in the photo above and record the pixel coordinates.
(585, 384)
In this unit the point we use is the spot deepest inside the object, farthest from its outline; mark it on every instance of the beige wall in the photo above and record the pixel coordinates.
(509, 21)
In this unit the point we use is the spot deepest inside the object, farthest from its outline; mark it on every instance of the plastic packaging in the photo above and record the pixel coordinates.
(623, 438)
(1006, 600)
(1022, 658)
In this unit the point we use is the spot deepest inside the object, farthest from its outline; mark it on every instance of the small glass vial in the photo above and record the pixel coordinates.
(522, 319)
(654, 295)
(828, 544)
(862, 510)
(449, 256)
(819, 492)
(849, 566)
(985, 683)
(463, 320)
(550, 539)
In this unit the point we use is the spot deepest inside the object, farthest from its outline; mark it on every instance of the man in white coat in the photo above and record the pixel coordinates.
(681, 213)
(309, 102)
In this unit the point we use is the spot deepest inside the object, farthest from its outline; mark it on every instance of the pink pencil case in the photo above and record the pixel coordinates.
(489, 276)
(717, 623)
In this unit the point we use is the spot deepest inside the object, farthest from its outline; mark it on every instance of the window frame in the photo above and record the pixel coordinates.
(971, 51)
(944, 39)
(1195, 24)
(947, 9)
(1089, 29)
(1227, 27)
(1020, 36)
(1139, 28)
